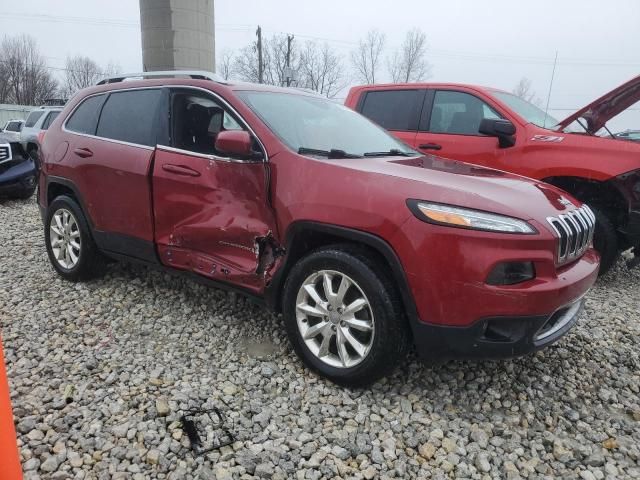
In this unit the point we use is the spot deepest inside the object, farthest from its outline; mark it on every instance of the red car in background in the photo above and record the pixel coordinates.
(497, 129)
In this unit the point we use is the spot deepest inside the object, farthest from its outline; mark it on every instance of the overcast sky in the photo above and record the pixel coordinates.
(491, 42)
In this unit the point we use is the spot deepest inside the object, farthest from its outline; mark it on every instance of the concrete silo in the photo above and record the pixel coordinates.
(177, 35)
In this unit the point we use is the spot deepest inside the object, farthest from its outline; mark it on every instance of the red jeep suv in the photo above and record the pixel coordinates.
(497, 129)
(363, 244)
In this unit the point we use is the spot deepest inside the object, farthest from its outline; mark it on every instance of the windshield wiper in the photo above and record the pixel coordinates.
(389, 153)
(331, 154)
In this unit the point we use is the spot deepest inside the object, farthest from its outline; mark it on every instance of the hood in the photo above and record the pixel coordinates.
(462, 184)
(600, 111)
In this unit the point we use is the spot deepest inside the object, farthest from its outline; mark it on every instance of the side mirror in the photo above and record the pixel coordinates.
(503, 129)
(235, 143)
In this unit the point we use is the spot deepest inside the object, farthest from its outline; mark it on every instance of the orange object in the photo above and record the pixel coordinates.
(10, 468)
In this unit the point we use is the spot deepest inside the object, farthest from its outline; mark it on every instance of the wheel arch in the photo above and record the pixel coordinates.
(304, 236)
(56, 186)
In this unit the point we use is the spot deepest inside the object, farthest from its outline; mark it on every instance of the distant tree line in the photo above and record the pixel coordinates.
(27, 79)
(320, 67)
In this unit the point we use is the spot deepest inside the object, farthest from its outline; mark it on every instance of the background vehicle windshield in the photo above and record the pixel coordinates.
(317, 123)
(528, 111)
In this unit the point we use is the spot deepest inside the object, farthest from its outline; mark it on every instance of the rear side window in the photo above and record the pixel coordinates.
(33, 118)
(49, 120)
(393, 109)
(130, 116)
(85, 118)
(13, 127)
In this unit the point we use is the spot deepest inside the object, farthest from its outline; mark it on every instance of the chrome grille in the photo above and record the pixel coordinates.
(5, 153)
(574, 231)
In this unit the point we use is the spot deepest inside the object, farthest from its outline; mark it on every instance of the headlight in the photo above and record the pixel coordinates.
(466, 218)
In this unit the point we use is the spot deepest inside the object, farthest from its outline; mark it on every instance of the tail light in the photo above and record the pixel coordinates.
(41, 136)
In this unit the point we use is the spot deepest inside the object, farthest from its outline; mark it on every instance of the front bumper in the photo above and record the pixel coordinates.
(18, 178)
(492, 338)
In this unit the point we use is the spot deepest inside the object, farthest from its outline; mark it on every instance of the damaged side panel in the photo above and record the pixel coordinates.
(218, 223)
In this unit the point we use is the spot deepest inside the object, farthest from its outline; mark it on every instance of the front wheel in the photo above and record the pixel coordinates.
(605, 241)
(343, 316)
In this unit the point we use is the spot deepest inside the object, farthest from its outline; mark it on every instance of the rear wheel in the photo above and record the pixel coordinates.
(343, 316)
(605, 241)
(70, 247)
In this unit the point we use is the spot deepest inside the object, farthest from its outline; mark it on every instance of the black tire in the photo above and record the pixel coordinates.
(605, 241)
(390, 341)
(90, 262)
(33, 153)
(26, 194)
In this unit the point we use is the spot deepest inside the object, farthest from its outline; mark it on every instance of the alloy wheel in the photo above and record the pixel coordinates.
(335, 319)
(64, 237)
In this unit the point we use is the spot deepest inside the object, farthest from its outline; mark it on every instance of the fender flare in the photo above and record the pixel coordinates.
(381, 246)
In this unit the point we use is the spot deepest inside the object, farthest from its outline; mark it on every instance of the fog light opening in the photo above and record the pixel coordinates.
(511, 273)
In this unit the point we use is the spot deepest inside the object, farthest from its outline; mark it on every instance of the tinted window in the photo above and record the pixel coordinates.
(33, 118)
(130, 116)
(393, 109)
(13, 127)
(85, 117)
(458, 113)
(49, 120)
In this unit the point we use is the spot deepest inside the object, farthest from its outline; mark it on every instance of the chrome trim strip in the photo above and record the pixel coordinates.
(576, 229)
(566, 318)
(214, 158)
(243, 122)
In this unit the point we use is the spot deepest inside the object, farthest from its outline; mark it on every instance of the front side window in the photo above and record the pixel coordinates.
(33, 118)
(49, 120)
(458, 113)
(130, 116)
(528, 111)
(309, 122)
(393, 109)
(197, 119)
(84, 118)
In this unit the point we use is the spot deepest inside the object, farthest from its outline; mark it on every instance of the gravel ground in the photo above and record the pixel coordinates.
(138, 347)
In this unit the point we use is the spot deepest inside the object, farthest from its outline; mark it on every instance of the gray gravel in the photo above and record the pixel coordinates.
(134, 349)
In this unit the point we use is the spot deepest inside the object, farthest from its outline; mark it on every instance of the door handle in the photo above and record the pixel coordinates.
(430, 146)
(83, 152)
(180, 170)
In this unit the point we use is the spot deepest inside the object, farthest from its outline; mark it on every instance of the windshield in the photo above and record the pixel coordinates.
(312, 123)
(526, 110)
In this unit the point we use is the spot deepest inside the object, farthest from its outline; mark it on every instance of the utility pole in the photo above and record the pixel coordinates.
(289, 41)
(259, 46)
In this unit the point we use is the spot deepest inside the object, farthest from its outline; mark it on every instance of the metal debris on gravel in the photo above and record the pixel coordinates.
(100, 373)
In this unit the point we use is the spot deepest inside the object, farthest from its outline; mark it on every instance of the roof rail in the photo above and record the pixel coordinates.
(195, 74)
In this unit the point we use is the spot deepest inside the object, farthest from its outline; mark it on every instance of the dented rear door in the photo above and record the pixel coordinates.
(212, 214)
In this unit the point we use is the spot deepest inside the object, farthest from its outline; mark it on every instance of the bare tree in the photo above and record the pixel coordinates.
(367, 56)
(25, 78)
(524, 90)
(408, 64)
(225, 64)
(80, 72)
(321, 69)
(274, 61)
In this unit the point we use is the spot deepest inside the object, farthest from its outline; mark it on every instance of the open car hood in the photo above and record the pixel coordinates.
(600, 111)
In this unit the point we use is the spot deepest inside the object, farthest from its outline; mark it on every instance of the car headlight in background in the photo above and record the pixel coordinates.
(453, 216)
